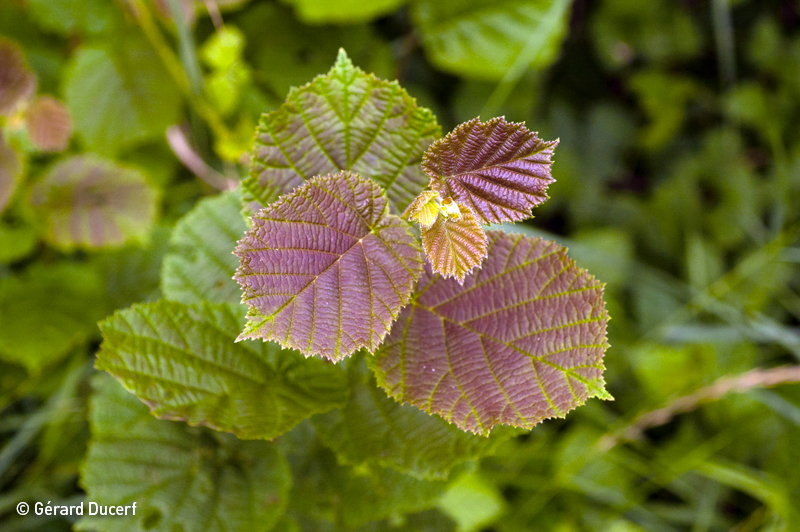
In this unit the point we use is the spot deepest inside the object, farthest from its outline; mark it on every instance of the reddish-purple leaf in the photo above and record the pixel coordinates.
(90, 202)
(454, 244)
(49, 124)
(17, 80)
(498, 169)
(327, 268)
(344, 120)
(521, 341)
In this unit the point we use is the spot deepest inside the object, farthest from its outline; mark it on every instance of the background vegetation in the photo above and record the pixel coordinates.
(678, 184)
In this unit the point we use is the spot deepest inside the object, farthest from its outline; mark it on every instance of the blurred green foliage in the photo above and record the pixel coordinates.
(678, 184)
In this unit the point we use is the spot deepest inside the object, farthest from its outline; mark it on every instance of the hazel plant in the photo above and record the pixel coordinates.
(480, 327)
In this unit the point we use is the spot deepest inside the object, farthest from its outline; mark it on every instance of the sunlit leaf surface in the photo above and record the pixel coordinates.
(498, 169)
(89, 202)
(183, 362)
(344, 120)
(521, 341)
(455, 244)
(343, 11)
(180, 477)
(327, 268)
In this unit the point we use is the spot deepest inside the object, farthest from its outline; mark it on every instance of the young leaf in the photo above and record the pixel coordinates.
(17, 80)
(10, 172)
(521, 341)
(326, 269)
(184, 363)
(455, 244)
(49, 124)
(181, 478)
(203, 264)
(90, 203)
(375, 430)
(344, 120)
(488, 39)
(498, 169)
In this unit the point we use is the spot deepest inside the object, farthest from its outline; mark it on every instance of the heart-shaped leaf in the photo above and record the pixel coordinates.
(91, 203)
(202, 265)
(17, 80)
(498, 169)
(181, 478)
(344, 120)
(521, 341)
(455, 244)
(326, 269)
(183, 362)
(49, 124)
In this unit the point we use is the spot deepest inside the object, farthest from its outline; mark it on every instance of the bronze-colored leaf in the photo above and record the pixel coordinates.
(455, 244)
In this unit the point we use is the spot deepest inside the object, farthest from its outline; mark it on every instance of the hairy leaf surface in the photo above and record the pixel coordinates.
(203, 264)
(521, 341)
(375, 430)
(182, 478)
(184, 363)
(455, 245)
(10, 172)
(344, 120)
(89, 203)
(327, 493)
(47, 311)
(498, 169)
(17, 80)
(326, 269)
(487, 38)
(49, 124)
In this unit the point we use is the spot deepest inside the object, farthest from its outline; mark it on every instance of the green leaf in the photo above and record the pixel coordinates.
(10, 172)
(202, 265)
(521, 341)
(47, 311)
(326, 268)
(87, 202)
(327, 492)
(181, 478)
(120, 98)
(344, 120)
(473, 502)
(184, 363)
(375, 430)
(486, 39)
(68, 17)
(344, 11)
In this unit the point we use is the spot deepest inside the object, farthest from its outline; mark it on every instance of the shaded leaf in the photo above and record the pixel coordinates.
(455, 244)
(327, 493)
(90, 202)
(326, 269)
(344, 11)
(181, 478)
(498, 169)
(47, 311)
(117, 100)
(376, 430)
(202, 265)
(68, 17)
(183, 362)
(487, 39)
(49, 124)
(17, 80)
(521, 341)
(473, 502)
(10, 172)
(344, 120)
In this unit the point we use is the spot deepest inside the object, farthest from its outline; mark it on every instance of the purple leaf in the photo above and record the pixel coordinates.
(17, 80)
(521, 341)
(344, 120)
(49, 124)
(89, 203)
(454, 244)
(326, 269)
(498, 169)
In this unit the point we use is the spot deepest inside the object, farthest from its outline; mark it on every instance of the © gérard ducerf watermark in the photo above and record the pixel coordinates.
(88, 508)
